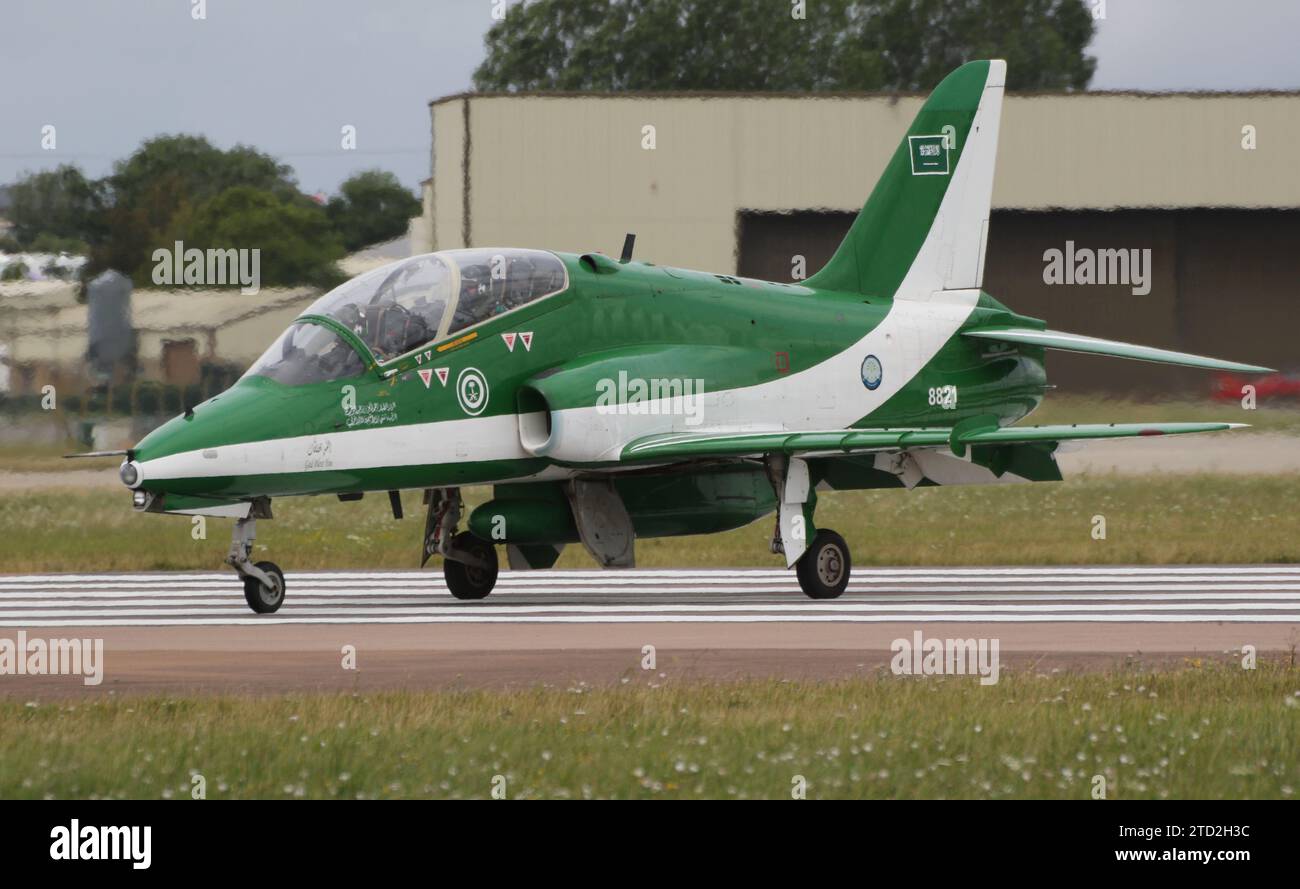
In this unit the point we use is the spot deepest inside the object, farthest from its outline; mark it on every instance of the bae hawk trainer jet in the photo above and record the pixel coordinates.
(607, 400)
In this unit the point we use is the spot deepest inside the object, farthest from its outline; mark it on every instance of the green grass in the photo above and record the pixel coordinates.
(49, 458)
(1149, 519)
(1209, 732)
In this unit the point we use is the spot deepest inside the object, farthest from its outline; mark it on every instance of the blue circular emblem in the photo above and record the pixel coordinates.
(871, 371)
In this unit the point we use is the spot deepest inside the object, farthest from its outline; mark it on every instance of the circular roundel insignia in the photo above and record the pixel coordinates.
(472, 391)
(871, 371)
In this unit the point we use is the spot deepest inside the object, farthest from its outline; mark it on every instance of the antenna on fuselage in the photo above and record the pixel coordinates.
(628, 243)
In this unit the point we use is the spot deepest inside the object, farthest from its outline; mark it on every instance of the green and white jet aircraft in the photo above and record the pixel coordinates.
(606, 400)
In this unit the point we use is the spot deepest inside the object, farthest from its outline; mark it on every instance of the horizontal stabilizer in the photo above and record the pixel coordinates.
(1073, 342)
(706, 445)
(96, 454)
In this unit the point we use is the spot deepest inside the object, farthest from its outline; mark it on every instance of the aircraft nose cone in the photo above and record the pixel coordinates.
(189, 454)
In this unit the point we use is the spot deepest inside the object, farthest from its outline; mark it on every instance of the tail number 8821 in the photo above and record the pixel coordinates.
(944, 397)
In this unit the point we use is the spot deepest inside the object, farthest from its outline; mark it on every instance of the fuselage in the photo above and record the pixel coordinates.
(549, 386)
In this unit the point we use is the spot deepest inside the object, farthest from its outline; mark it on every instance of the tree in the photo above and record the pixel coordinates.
(153, 194)
(1043, 41)
(759, 45)
(195, 169)
(46, 242)
(183, 188)
(59, 204)
(297, 243)
(372, 206)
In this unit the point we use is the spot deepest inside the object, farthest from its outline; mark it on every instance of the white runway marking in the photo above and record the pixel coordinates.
(1094, 594)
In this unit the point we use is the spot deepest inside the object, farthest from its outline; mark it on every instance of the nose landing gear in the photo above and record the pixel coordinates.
(264, 584)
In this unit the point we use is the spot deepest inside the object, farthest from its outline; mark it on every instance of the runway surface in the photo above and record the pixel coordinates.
(1214, 594)
(192, 632)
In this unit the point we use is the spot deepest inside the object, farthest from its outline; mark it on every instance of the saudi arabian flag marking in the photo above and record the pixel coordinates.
(929, 155)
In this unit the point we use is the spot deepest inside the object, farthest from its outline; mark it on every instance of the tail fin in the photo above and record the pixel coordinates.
(924, 227)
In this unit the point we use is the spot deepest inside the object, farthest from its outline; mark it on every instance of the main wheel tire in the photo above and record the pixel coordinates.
(824, 567)
(261, 598)
(469, 581)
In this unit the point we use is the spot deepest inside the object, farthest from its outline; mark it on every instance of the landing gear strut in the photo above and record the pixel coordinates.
(264, 581)
(469, 563)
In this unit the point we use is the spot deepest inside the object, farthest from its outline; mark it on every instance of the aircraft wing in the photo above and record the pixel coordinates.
(1074, 342)
(702, 445)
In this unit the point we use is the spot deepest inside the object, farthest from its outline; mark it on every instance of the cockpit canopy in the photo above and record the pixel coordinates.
(402, 306)
(407, 304)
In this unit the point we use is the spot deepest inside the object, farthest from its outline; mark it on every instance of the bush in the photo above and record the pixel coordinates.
(14, 271)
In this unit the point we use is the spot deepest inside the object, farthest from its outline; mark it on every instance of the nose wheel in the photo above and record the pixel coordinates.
(823, 569)
(264, 597)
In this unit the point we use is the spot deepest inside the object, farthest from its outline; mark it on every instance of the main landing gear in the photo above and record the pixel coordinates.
(469, 563)
(466, 579)
(263, 581)
(822, 565)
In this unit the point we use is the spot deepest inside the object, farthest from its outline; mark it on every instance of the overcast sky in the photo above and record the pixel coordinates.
(286, 75)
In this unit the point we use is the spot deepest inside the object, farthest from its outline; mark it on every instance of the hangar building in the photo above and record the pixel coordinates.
(746, 184)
